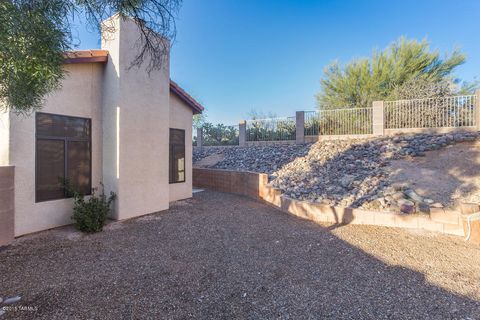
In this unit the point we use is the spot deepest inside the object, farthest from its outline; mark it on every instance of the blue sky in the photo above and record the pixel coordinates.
(268, 55)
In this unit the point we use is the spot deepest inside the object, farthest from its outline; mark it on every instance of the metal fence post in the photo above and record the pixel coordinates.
(199, 137)
(477, 109)
(378, 121)
(242, 133)
(300, 127)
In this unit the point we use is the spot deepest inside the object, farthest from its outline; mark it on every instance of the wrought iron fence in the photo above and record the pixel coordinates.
(194, 136)
(311, 123)
(220, 135)
(273, 129)
(447, 112)
(350, 121)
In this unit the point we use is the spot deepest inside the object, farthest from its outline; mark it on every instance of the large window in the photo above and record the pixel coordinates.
(63, 150)
(177, 155)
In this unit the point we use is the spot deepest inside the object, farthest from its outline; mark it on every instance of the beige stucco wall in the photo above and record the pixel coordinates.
(181, 118)
(4, 138)
(138, 133)
(110, 114)
(80, 96)
(131, 112)
(7, 204)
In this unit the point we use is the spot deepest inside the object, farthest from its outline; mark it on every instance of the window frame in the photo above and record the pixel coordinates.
(171, 167)
(65, 140)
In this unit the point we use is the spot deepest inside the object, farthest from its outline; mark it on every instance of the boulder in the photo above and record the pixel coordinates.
(423, 207)
(406, 206)
(410, 193)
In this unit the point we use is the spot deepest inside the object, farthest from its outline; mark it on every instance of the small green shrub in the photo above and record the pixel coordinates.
(90, 212)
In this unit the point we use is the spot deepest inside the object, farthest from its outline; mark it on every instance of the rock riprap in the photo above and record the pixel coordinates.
(265, 159)
(350, 173)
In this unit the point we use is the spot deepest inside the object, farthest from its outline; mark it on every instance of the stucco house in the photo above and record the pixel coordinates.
(108, 123)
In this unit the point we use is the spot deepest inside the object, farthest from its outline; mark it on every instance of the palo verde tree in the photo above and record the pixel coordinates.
(34, 34)
(401, 67)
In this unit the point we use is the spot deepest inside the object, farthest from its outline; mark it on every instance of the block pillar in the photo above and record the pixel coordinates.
(378, 118)
(242, 133)
(300, 127)
(199, 137)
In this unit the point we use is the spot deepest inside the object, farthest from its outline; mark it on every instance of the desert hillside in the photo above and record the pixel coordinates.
(401, 173)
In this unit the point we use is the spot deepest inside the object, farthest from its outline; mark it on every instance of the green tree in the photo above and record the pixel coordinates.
(199, 120)
(220, 134)
(35, 33)
(362, 81)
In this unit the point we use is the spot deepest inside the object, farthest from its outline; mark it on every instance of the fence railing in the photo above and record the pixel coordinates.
(346, 121)
(448, 112)
(273, 129)
(311, 123)
(384, 117)
(220, 135)
(194, 136)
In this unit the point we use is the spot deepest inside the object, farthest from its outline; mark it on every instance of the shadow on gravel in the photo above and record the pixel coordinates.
(225, 256)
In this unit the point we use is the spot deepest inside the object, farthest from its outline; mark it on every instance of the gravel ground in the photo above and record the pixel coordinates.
(224, 256)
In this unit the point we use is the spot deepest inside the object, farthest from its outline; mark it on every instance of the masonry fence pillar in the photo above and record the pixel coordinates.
(477, 109)
(378, 121)
(300, 127)
(199, 137)
(242, 133)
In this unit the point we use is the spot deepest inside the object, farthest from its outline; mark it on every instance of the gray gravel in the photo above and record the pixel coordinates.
(224, 256)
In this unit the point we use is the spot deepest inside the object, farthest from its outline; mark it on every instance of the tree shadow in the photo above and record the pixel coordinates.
(329, 277)
(229, 256)
(445, 175)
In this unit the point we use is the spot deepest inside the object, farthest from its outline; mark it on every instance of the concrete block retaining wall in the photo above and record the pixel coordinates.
(255, 185)
(248, 184)
(7, 208)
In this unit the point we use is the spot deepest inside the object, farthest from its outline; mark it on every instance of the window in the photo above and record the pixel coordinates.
(63, 150)
(177, 156)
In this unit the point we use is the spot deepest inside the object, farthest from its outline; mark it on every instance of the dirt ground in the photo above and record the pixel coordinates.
(222, 256)
(449, 175)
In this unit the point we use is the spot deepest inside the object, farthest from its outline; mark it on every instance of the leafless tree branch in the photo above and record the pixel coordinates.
(154, 18)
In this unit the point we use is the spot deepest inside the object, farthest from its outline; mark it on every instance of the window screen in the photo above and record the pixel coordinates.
(63, 150)
(177, 155)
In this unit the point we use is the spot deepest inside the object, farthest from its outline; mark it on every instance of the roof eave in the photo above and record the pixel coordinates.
(86, 56)
(185, 97)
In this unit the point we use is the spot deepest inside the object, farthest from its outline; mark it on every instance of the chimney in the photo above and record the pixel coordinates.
(135, 124)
